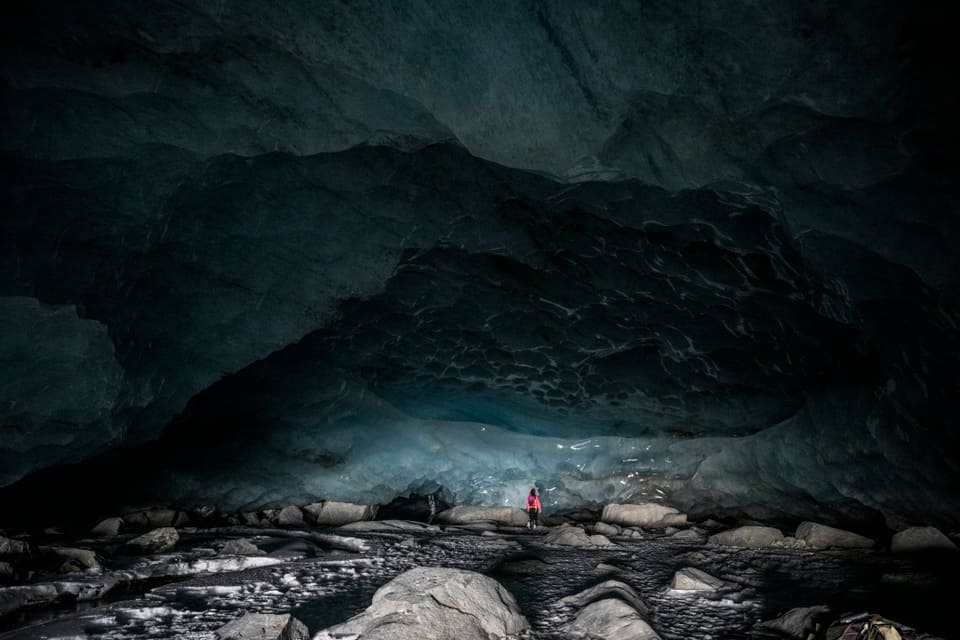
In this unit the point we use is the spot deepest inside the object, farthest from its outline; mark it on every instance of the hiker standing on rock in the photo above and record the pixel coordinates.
(533, 508)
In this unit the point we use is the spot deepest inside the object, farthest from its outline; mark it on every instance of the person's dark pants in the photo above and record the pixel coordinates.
(533, 517)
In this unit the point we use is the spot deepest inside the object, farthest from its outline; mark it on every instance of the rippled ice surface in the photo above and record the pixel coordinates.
(326, 590)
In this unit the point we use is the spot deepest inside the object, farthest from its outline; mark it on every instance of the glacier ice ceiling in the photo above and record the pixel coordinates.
(255, 253)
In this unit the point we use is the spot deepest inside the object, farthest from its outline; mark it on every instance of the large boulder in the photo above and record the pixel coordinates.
(917, 539)
(820, 536)
(434, 603)
(568, 537)
(748, 536)
(466, 514)
(334, 514)
(648, 514)
(263, 626)
(156, 541)
(610, 619)
(290, 516)
(691, 579)
(107, 527)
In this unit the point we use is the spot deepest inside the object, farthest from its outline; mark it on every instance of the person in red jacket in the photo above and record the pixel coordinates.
(533, 508)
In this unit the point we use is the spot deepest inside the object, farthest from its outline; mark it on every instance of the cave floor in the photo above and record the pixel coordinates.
(192, 592)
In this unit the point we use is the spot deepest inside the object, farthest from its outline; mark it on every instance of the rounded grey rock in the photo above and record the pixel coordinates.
(433, 603)
(917, 539)
(156, 541)
(264, 626)
(748, 536)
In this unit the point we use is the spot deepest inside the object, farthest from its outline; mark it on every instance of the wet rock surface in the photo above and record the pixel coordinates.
(606, 590)
(324, 579)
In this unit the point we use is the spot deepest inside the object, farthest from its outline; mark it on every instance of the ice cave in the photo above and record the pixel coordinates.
(300, 300)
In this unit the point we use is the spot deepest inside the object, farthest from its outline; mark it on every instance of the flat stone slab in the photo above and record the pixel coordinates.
(466, 514)
(390, 526)
(692, 579)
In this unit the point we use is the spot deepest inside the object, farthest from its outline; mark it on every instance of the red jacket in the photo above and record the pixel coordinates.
(533, 502)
